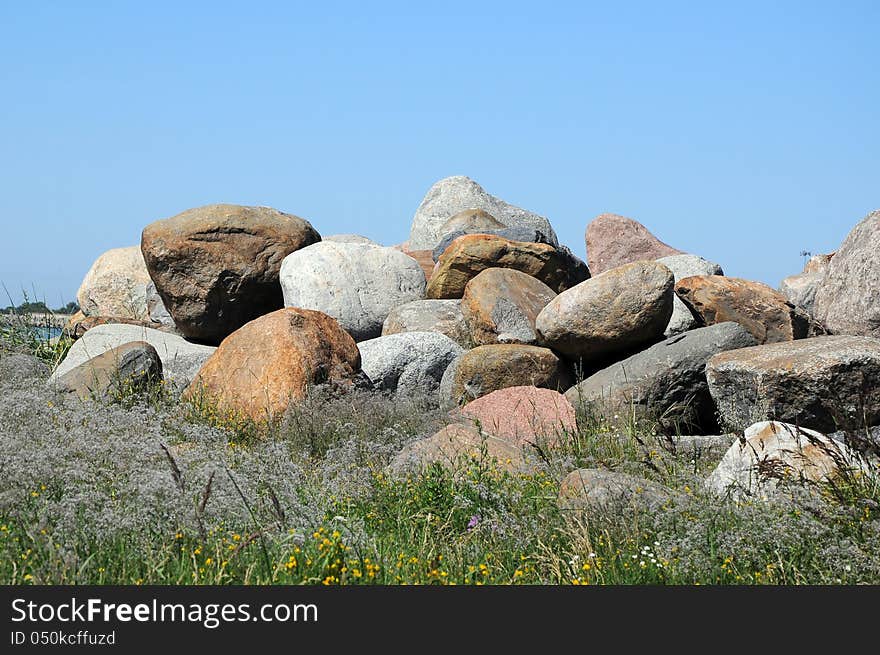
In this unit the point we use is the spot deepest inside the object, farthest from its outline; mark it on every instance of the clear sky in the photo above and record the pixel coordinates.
(744, 133)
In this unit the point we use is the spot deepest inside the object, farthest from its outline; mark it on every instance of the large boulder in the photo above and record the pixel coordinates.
(683, 266)
(614, 240)
(500, 305)
(470, 254)
(116, 285)
(216, 267)
(262, 367)
(523, 415)
(131, 367)
(612, 313)
(443, 316)
(760, 309)
(455, 194)
(823, 383)
(848, 298)
(408, 362)
(668, 380)
(770, 453)
(454, 447)
(488, 368)
(181, 359)
(600, 491)
(357, 284)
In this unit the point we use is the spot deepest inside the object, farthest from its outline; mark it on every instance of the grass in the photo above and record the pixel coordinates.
(143, 489)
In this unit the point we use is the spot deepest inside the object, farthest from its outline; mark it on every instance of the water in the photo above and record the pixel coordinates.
(46, 333)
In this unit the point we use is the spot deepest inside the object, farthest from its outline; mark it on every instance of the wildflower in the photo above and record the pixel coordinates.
(475, 519)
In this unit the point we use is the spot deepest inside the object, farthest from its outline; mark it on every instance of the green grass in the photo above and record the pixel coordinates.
(308, 500)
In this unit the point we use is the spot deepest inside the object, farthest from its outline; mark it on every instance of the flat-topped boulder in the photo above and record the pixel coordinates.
(823, 383)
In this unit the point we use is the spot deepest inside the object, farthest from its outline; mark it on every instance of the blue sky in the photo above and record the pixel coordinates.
(745, 133)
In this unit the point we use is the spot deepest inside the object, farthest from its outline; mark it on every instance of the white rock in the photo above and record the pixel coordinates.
(181, 359)
(771, 451)
(455, 194)
(116, 285)
(408, 362)
(357, 284)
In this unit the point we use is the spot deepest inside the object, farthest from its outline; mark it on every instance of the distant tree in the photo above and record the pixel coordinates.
(70, 308)
(32, 308)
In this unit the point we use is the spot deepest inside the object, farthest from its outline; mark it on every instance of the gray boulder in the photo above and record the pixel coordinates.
(357, 284)
(683, 266)
(848, 298)
(822, 383)
(408, 362)
(443, 316)
(131, 367)
(181, 359)
(455, 194)
(668, 380)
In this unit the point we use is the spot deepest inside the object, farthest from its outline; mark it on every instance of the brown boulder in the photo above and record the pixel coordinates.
(216, 267)
(614, 240)
(523, 414)
(615, 312)
(470, 254)
(500, 305)
(264, 365)
(761, 310)
(488, 368)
